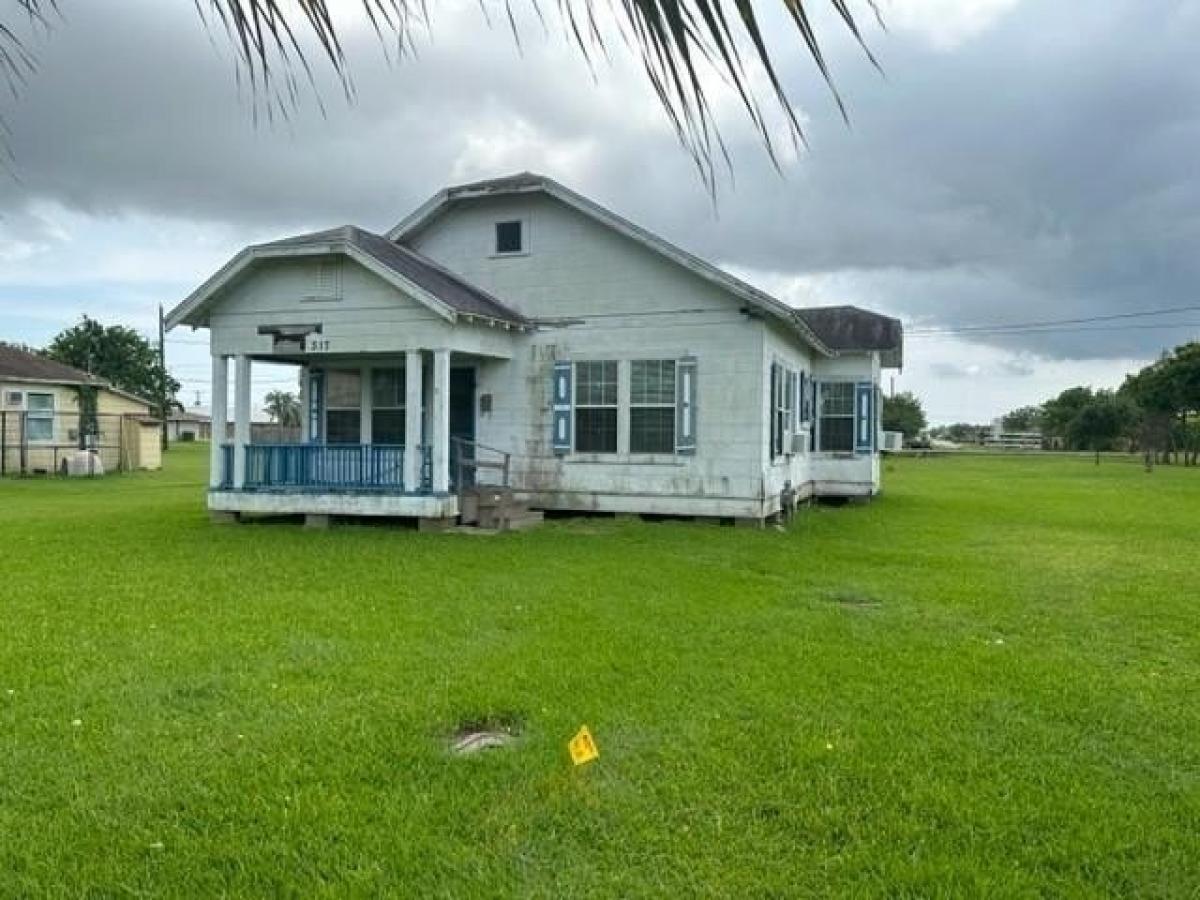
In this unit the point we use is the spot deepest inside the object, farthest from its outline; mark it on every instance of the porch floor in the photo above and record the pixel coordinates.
(334, 503)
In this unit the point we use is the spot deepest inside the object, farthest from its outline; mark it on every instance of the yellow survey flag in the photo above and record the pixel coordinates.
(583, 747)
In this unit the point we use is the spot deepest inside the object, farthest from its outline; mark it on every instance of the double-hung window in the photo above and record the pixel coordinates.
(652, 406)
(596, 407)
(836, 426)
(387, 406)
(39, 417)
(343, 406)
(779, 409)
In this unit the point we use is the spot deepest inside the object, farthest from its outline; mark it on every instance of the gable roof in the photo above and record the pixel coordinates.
(437, 287)
(531, 182)
(21, 365)
(16, 363)
(851, 328)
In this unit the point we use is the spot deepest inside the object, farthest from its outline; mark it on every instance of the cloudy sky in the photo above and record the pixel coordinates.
(1018, 161)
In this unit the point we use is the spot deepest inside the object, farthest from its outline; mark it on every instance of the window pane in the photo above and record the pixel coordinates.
(40, 402)
(508, 237)
(387, 388)
(837, 399)
(596, 430)
(837, 434)
(652, 429)
(387, 426)
(596, 383)
(652, 381)
(343, 389)
(342, 426)
(39, 429)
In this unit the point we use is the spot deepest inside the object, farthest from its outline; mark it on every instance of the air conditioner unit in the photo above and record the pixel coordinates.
(800, 442)
(14, 399)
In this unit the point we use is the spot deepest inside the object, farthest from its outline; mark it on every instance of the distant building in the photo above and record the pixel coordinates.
(1000, 439)
(193, 424)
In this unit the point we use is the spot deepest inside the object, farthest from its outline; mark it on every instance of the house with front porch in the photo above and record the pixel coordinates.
(514, 334)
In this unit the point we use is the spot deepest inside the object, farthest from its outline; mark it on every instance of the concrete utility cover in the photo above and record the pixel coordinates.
(475, 741)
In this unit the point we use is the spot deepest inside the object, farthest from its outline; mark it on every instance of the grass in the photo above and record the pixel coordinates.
(984, 683)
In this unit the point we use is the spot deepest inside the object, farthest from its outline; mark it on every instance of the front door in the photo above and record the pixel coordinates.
(462, 423)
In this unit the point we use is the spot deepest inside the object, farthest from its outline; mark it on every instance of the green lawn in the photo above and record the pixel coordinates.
(987, 682)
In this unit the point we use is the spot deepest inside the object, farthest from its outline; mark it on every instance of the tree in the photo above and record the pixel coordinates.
(1100, 422)
(1168, 393)
(1027, 418)
(903, 413)
(1058, 413)
(120, 356)
(283, 407)
(681, 45)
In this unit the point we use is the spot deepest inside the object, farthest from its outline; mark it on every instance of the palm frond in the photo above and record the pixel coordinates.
(679, 44)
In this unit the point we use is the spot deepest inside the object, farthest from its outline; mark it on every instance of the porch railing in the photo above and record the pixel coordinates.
(319, 467)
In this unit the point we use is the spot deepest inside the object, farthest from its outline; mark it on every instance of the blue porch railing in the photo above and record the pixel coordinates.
(327, 467)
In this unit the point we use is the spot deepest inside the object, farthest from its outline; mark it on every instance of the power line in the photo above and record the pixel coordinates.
(959, 329)
(1118, 328)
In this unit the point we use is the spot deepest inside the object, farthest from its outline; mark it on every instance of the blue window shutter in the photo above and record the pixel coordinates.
(316, 405)
(685, 405)
(864, 417)
(561, 438)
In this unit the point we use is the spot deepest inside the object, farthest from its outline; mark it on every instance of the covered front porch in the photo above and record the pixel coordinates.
(381, 435)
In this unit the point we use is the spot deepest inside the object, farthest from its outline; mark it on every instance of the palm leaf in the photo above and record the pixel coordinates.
(677, 42)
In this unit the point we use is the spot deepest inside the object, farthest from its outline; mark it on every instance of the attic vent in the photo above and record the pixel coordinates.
(327, 280)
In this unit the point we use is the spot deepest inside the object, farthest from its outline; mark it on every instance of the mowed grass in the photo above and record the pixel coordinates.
(986, 682)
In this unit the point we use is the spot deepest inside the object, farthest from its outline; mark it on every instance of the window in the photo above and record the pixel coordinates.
(836, 405)
(779, 409)
(596, 407)
(387, 406)
(343, 406)
(510, 237)
(652, 406)
(39, 420)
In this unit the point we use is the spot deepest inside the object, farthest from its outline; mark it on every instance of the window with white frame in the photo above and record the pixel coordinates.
(596, 407)
(387, 406)
(778, 409)
(836, 426)
(39, 417)
(652, 406)
(343, 406)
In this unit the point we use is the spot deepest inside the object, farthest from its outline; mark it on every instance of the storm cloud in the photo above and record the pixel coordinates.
(1016, 162)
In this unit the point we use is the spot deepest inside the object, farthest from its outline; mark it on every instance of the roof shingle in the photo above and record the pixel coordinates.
(16, 363)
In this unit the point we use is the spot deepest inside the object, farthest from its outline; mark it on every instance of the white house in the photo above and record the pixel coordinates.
(516, 331)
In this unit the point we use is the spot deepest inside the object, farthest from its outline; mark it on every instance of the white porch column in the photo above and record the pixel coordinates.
(414, 394)
(304, 404)
(219, 407)
(241, 418)
(440, 421)
(366, 401)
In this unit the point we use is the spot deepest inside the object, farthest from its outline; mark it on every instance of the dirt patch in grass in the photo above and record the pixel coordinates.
(490, 732)
(854, 599)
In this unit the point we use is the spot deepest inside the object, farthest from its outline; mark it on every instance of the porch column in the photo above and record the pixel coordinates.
(241, 418)
(219, 408)
(366, 399)
(440, 421)
(414, 392)
(304, 404)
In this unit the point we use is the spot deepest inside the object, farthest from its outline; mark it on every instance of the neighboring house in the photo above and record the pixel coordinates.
(189, 425)
(43, 422)
(517, 322)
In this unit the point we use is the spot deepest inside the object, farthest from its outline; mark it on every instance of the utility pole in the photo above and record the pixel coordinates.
(162, 364)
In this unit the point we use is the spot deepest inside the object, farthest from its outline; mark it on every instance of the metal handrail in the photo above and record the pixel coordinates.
(474, 463)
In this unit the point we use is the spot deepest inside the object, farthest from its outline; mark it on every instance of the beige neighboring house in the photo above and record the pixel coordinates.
(43, 423)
